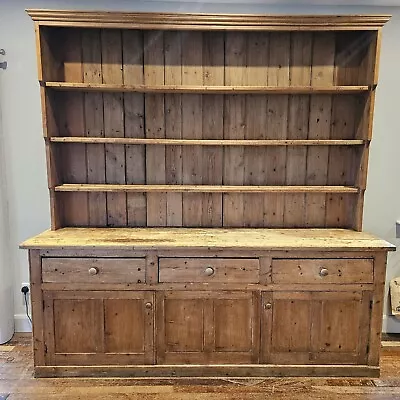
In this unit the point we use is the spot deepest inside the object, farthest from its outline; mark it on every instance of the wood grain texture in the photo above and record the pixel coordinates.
(191, 238)
(72, 122)
(155, 126)
(76, 270)
(94, 124)
(173, 125)
(111, 52)
(132, 48)
(339, 271)
(298, 126)
(208, 270)
(207, 21)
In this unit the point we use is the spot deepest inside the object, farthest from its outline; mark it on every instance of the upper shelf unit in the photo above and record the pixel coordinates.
(207, 120)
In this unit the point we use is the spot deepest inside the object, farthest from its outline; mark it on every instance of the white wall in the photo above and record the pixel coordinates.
(25, 160)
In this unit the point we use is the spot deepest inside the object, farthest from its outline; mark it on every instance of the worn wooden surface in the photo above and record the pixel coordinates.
(189, 238)
(16, 378)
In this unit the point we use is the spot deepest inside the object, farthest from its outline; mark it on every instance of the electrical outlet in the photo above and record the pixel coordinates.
(28, 295)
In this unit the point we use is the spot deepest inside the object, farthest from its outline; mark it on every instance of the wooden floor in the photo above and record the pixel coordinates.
(16, 379)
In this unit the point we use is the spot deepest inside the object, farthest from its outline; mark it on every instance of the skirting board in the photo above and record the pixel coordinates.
(22, 323)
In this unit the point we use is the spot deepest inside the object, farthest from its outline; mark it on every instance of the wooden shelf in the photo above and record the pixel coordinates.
(68, 187)
(206, 89)
(205, 142)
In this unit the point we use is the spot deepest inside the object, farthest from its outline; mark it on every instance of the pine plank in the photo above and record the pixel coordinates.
(312, 240)
(173, 124)
(200, 89)
(212, 124)
(205, 188)
(322, 73)
(155, 126)
(192, 157)
(298, 124)
(74, 206)
(208, 142)
(111, 48)
(132, 48)
(94, 121)
(256, 121)
(234, 127)
(278, 75)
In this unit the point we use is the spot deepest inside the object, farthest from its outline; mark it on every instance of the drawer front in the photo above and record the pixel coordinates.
(221, 270)
(93, 270)
(322, 271)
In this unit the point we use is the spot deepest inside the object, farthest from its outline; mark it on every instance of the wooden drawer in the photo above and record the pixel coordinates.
(94, 270)
(220, 270)
(338, 270)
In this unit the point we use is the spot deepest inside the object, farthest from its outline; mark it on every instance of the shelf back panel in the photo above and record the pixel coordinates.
(157, 58)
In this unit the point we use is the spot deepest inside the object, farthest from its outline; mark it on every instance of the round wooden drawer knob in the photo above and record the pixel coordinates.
(93, 271)
(268, 306)
(209, 271)
(323, 272)
(148, 305)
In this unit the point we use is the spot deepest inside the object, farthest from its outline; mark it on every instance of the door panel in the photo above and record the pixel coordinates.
(315, 327)
(233, 324)
(77, 326)
(184, 325)
(99, 328)
(124, 326)
(207, 327)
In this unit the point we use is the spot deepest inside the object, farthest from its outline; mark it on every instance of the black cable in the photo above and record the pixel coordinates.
(26, 307)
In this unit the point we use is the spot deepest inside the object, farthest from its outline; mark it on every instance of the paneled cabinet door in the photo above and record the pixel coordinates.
(208, 327)
(97, 328)
(315, 327)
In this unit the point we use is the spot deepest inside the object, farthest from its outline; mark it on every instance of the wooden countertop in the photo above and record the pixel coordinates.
(204, 238)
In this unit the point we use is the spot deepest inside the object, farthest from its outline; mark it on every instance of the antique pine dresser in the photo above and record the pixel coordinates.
(206, 177)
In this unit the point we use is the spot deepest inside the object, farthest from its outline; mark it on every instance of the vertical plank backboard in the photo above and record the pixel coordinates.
(75, 205)
(192, 74)
(111, 46)
(234, 127)
(277, 124)
(322, 70)
(155, 126)
(212, 124)
(298, 124)
(132, 49)
(173, 124)
(94, 121)
(256, 122)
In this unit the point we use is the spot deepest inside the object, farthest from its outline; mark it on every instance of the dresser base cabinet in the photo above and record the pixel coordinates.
(190, 307)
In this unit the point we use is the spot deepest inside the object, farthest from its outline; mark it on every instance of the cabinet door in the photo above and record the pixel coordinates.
(207, 327)
(315, 327)
(95, 328)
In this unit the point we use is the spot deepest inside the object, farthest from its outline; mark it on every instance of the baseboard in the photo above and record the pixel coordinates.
(390, 324)
(22, 323)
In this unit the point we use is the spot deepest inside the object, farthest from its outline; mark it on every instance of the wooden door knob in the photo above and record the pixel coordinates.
(148, 305)
(323, 272)
(93, 271)
(209, 271)
(268, 306)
